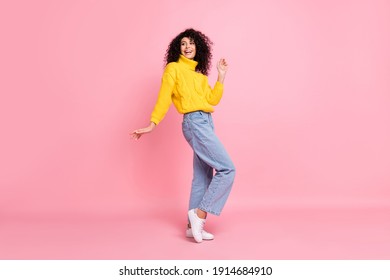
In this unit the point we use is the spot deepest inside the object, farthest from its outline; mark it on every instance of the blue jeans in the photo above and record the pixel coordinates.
(209, 192)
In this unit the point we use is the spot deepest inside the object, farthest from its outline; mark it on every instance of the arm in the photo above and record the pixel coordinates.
(215, 94)
(163, 103)
(164, 99)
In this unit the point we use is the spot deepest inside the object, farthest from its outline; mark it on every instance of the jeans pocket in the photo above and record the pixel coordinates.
(199, 117)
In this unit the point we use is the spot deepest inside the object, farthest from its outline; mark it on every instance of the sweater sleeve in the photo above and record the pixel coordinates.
(164, 99)
(214, 95)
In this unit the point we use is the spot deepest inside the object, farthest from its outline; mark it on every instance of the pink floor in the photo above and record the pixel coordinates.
(356, 233)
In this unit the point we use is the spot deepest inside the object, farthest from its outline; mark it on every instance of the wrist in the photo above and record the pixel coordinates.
(221, 78)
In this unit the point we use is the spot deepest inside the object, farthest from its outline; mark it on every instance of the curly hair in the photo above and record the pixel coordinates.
(203, 50)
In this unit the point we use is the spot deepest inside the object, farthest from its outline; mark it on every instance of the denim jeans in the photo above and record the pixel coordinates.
(209, 191)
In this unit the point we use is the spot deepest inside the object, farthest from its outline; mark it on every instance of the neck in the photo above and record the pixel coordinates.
(189, 63)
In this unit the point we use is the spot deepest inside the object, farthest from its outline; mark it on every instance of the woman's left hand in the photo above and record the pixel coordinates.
(222, 66)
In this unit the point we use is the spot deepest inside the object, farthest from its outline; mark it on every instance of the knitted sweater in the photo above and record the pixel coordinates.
(187, 89)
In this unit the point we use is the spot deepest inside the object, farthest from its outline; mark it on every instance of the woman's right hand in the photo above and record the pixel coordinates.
(136, 134)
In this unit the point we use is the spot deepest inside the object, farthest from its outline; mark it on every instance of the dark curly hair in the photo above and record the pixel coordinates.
(203, 50)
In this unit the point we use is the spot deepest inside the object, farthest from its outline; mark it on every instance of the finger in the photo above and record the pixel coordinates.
(135, 134)
(144, 130)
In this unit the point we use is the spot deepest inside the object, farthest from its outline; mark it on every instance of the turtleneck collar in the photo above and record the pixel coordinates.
(188, 63)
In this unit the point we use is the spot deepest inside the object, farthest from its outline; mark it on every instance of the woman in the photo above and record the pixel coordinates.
(185, 83)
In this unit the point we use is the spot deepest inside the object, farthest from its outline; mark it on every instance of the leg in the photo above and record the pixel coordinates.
(209, 154)
(202, 177)
(219, 189)
(198, 130)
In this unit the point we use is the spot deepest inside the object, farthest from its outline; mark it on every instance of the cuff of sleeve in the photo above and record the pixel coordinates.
(156, 121)
(218, 84)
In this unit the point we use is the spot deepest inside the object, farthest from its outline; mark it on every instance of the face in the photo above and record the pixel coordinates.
(188, 48)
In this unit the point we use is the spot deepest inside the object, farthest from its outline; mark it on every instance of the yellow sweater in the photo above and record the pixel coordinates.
(189, 90)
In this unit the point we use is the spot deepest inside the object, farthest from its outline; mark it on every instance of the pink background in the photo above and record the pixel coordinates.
(305, 116)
